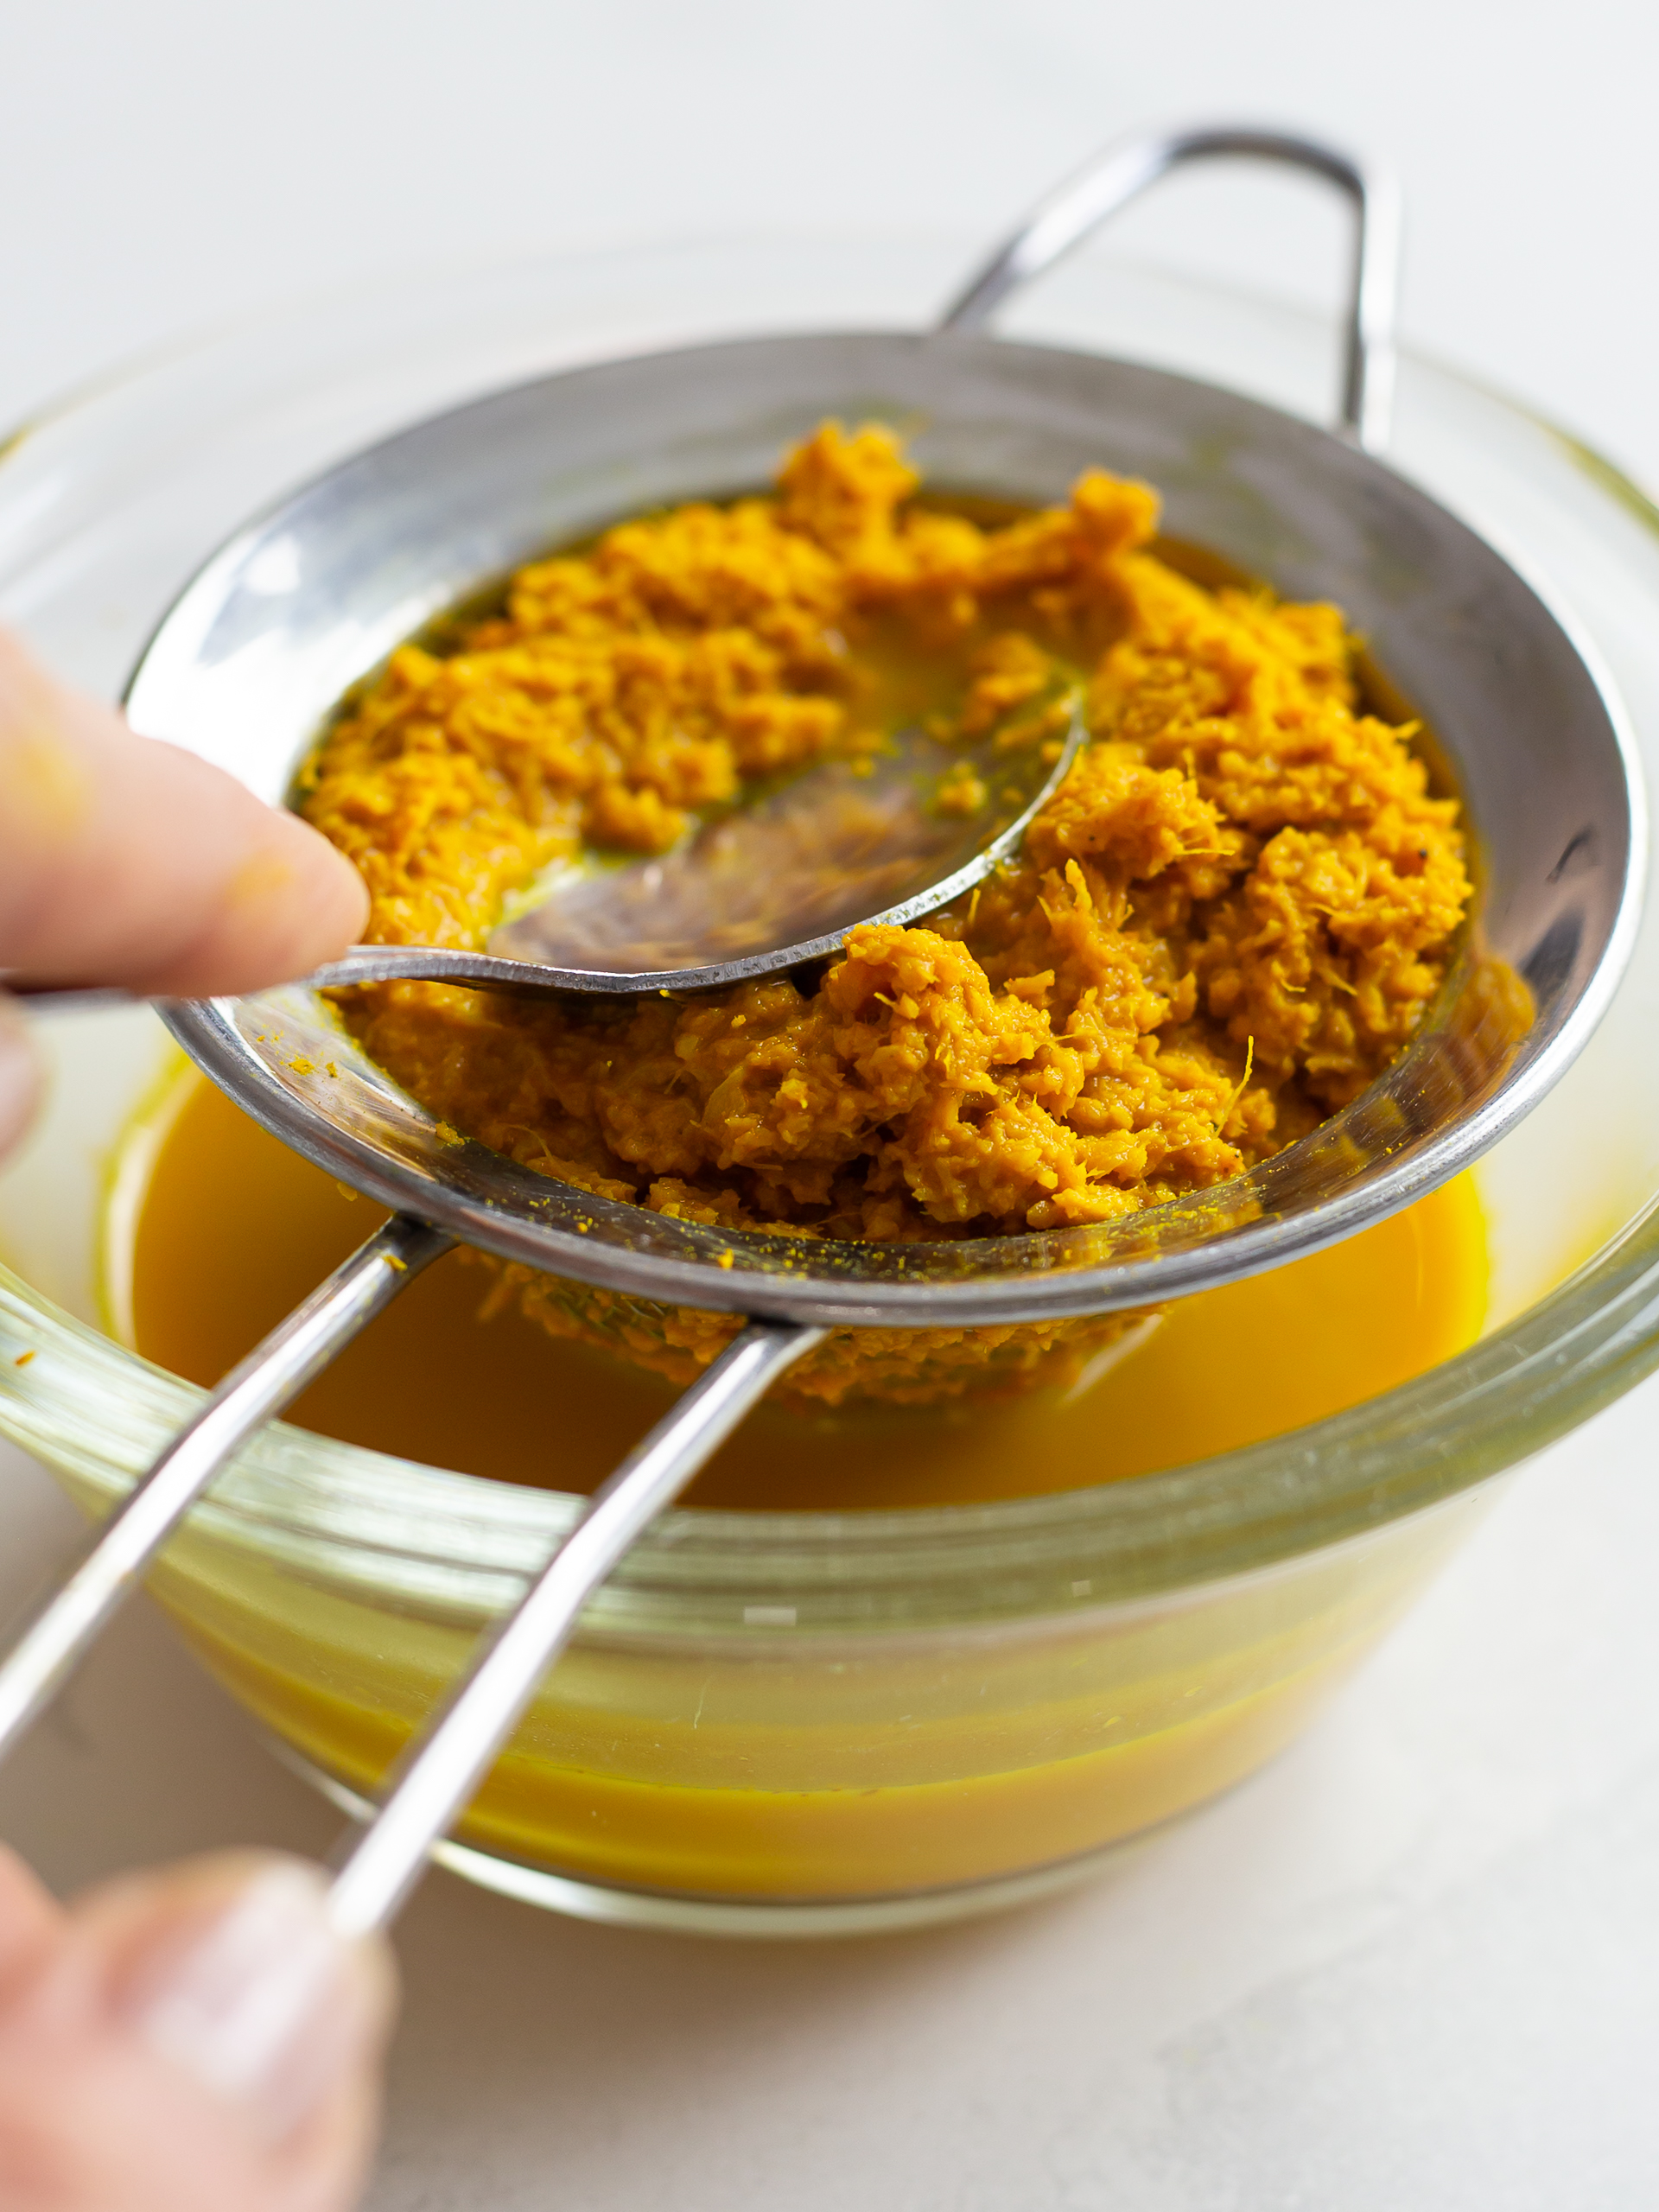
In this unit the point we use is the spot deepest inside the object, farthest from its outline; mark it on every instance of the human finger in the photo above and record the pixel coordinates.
(197, 2040)
(30, 1919)
(126, 860)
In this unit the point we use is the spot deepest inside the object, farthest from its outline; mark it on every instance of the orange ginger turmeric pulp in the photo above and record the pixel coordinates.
(1229, 918)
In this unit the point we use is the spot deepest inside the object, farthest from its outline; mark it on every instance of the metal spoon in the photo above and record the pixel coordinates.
(766, 887)
(771, 886)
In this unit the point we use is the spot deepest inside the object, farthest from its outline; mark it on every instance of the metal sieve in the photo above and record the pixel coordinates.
(312, 596)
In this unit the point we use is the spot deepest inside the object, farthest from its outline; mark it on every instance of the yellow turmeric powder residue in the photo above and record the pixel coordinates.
(1226, 923)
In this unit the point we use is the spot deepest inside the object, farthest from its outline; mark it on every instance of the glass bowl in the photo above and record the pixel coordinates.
(804, 1722)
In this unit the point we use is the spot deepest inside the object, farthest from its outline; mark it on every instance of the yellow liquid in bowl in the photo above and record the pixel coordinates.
(222, 1229)
(815, 1767)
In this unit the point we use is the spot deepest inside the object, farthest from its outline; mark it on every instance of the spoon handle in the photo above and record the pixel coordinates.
(438, 1775)
(269, 1379)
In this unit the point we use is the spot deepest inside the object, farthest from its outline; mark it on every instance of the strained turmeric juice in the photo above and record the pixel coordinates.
(763, 1764)
(231, 1228)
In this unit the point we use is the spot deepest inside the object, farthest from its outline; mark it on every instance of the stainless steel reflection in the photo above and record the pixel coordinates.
(311, 598)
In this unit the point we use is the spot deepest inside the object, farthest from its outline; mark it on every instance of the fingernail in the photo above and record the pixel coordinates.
(264, 2004)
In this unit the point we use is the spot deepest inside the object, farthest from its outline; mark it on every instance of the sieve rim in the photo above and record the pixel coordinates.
(1031, 1276)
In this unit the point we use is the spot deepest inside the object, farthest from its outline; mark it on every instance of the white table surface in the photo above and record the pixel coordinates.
(1415, 1966)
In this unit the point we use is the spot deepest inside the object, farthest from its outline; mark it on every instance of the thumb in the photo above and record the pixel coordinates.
(192, 2040)
(126, 860)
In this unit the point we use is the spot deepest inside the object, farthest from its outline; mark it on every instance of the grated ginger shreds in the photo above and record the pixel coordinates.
(1228, 921)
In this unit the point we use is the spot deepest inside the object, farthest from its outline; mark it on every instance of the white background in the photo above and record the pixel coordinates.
(1414, 1967)
(167, 162)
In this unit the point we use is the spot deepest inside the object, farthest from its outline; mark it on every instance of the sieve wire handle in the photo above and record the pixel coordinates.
(270, 1378)
(436, 1778)
(1125, 169)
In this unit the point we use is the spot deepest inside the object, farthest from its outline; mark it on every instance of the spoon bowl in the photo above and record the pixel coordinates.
(772, 884)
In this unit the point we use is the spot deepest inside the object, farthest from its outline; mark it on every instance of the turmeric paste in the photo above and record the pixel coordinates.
(1228, 919)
